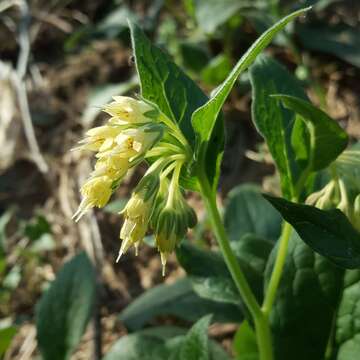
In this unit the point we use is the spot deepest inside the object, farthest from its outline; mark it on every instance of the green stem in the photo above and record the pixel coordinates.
(261, 324)
(278, 269)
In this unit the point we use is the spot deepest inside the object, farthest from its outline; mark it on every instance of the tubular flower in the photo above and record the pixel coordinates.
(96, 192)
(135, 132)
(126, 110)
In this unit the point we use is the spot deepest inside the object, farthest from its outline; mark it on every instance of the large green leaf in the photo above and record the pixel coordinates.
(210, 276)
(274, 122)
(160, 343)
(164, 83)
(341, 40)
(177, 96)
(328, 232)
(306, 302)
(65, 309)
(196, 342)
(205, 119)
(328, 140)
(347, 324)
(177, 299)
(247, 212)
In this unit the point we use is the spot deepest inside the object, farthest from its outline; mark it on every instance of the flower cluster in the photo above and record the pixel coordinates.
(138, 131)
(343, 189)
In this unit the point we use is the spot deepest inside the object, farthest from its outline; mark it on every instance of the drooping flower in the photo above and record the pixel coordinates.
(96, 192)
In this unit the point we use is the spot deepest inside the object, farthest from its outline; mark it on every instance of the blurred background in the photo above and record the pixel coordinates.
(60, 60)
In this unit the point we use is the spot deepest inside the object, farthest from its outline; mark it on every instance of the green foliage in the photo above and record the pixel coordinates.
(347, 325)
(340, 40)
(245, 345)
(306, 303)
(276, 124)
(65, 309)
(247, 212)
(177, 299)
(6, 335)
(196, 342)
(328, 232)
(327, 139)
(205, 120)
(211, 278)
(167, 343)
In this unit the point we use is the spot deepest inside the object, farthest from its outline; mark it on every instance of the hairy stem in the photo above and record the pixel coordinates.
(278, 269)
(261, 324)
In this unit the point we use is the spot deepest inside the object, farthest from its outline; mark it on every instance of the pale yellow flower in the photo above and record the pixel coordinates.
(101, 138)
(115, 167)
(126, 110)
(131, 142)
(96, 192)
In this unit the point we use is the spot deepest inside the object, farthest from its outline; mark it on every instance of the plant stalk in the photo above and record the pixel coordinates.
(261, 324)
(278, 269)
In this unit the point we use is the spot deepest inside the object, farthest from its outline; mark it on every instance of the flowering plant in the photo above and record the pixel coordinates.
(179, 132)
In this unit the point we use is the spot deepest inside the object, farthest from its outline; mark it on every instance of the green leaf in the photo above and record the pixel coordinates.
(150, 344)
(160, 343)
(212, 13)
(347, 324)
(276, 124)
(177, 299)
(340, 40)
(210, 276)
(328, 232)
(205, 120)
(303, 312)
(196, 342)
(115, 206)
(216, 70)
(6, 335)
(328, 140)
(247, 212)
(65, 309)
(164, 83)
(245, 344)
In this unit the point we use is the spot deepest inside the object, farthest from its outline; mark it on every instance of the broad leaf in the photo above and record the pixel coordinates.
(210, 276)
(65, 309)
(245, 344)
(347, 324)
(177, 299)
(196, 342)
(328, 232)
(328, 140)
(302, 315)
(341, 40)
(160, 343)
(164, 83)
(212, 13)
(276, 124)
(150, 344)
(247, 212)
(177, 96)
(205, 119)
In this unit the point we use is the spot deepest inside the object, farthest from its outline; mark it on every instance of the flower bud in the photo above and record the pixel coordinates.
(137, 213)
(96, 192)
